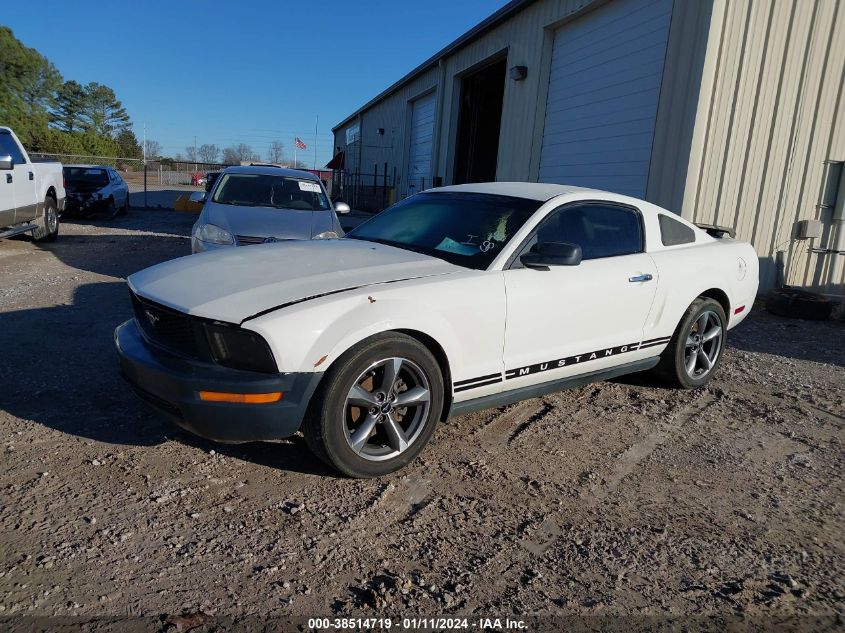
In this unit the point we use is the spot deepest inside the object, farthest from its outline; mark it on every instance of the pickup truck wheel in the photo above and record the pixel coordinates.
(48, 224)
(377, 407)
(695, 349)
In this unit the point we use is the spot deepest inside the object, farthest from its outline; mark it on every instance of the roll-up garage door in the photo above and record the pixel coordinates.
(604, 86)
(421, 144)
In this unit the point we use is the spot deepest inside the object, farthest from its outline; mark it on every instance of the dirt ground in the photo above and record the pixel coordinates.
(618, 500)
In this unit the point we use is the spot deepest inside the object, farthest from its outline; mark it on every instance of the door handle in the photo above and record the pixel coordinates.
(8, 177)
(31, 176)
(643, 277)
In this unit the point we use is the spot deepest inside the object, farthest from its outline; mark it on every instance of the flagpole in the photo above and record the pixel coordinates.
(316, 124)
(294, 152)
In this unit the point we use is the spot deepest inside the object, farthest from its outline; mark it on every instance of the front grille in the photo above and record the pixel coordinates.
(245, 240)
(168, 328)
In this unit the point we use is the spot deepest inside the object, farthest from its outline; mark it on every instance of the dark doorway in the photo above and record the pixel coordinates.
(479, 121)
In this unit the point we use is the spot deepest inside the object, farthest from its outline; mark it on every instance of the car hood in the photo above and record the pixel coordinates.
(233, 284)
(290, 224)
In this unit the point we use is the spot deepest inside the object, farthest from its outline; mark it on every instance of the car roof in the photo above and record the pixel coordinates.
(530, 190)
(271, 170)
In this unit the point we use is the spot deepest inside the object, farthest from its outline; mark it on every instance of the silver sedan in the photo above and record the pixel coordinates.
(260, 204)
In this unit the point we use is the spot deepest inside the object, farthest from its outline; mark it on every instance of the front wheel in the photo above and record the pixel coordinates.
(696, 347)
(377, 407)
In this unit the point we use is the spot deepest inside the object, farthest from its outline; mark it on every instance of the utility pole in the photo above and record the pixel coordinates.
(195, 152)
(316, 124)
(145, 164)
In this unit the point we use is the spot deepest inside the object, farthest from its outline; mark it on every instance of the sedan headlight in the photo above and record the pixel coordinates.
(239, 349)
(214, 234)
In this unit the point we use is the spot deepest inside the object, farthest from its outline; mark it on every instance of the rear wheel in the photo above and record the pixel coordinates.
(111, 209)
(377, 407)
(48, 223)
(696, 347)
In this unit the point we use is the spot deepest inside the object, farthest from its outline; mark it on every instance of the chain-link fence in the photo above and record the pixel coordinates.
(159, 183)
(156, 184)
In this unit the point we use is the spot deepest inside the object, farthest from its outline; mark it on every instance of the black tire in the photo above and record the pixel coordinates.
(327, 425)
(48, 223)
(126, 204)
(672, 368)
(111, 209)
(799, 304)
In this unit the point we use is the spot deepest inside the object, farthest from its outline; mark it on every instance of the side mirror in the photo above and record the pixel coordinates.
(198, 196)
(341, 207)
(7, 162)
(552, 254)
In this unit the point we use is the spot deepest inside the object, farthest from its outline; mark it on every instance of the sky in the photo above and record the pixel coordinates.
(250, 72)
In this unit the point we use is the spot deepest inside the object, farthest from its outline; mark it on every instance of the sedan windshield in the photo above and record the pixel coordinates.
(86, 176)
(275, 192)
(467, 229)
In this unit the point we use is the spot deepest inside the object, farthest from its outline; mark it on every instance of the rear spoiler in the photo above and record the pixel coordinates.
(717, 231)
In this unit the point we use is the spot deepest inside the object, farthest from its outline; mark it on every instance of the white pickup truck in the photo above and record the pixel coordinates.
(32, 195)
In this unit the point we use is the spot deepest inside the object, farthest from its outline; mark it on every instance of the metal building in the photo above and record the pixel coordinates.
(728, 112)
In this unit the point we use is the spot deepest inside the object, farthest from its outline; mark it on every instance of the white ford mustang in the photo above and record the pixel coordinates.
(455, 299)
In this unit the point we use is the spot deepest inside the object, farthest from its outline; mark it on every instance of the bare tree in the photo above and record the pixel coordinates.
(276, 152)
(208, 153)
(152, 149)
(191, 153)
(240, 153)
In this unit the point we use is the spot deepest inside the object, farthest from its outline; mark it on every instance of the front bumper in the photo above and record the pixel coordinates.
(170, 383)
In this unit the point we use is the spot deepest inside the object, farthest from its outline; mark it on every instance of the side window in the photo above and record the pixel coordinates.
(673, 232)
(10, 148)
(600, 230)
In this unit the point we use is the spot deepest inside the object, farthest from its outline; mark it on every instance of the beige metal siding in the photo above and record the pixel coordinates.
(768, 117)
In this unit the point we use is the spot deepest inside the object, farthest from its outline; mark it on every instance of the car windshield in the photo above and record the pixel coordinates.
(467, 229)
(274, 192)
(86, 175)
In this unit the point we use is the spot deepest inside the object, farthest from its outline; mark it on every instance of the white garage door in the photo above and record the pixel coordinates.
(603, 91)
(421, 144)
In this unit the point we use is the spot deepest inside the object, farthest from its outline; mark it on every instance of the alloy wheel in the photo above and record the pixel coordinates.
(703, 345)
(386, 408)
(52, 220)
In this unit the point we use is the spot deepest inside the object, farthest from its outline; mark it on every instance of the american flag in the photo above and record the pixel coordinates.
(299, 144)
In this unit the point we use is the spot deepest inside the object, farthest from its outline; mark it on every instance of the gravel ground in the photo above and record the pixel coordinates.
(615, 500)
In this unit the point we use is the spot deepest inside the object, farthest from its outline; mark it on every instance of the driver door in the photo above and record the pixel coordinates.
(563, 321)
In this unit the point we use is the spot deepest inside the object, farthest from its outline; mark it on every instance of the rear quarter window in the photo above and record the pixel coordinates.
(673, 233)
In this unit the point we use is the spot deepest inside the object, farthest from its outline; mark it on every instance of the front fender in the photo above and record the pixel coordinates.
(465, 314)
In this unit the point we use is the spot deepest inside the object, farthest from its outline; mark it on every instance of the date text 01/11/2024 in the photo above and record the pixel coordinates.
(417, 624)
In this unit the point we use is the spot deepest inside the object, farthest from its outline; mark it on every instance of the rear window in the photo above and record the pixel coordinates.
(673, 232)
(86, 175)
(273, 192)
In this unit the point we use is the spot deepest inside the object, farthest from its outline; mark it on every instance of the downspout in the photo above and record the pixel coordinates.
(438, 117)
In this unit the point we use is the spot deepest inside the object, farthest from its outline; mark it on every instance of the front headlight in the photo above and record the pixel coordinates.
(214, 234)
(239, 349)
(325, 235)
